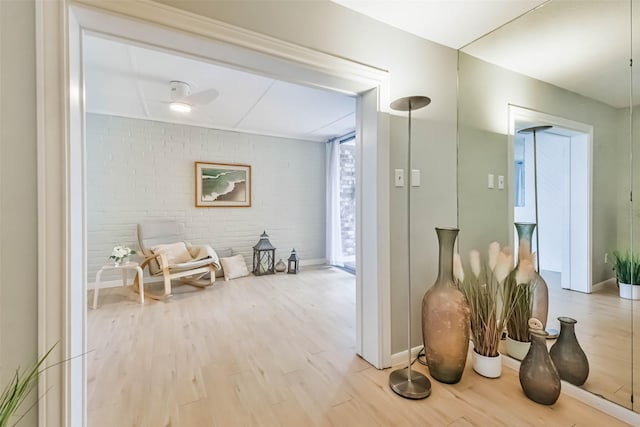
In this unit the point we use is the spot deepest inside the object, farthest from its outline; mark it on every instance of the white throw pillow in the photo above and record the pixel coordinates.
(234, 267)
(222, 253)
(176, 253)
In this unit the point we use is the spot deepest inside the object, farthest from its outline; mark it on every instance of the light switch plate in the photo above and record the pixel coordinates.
(415, 177)
(399, 177)
(501, 182)
(490, 183)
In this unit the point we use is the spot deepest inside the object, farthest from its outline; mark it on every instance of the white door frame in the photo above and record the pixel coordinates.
(61, 192)
(577, 241)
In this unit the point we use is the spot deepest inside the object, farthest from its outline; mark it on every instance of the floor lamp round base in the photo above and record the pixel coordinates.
(418, 388)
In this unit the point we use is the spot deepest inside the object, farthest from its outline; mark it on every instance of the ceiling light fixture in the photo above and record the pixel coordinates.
(180, 107)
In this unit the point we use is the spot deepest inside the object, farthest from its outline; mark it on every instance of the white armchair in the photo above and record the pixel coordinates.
(167, 254)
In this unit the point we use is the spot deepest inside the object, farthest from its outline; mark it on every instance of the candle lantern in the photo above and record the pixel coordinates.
(264, 255)
(294, 262)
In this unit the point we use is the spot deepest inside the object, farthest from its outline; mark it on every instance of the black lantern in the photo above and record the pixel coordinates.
(264, 255)
(294, 262)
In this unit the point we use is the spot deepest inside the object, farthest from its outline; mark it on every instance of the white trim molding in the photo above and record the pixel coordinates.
(62, 237)
(52, 132)
(401, 358)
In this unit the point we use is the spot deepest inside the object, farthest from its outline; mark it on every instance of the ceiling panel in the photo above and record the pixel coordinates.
(300, 110)
(134, 81)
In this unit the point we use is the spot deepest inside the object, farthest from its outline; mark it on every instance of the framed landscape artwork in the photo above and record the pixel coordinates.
(222, 185)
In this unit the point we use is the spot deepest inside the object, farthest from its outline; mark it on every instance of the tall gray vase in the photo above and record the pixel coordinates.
(445, 317)
(540, 308)
(538, 375)
(568, 356)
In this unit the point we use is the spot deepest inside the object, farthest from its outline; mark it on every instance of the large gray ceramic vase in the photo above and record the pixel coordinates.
(538, 375)
(567, 355)
(445, 317)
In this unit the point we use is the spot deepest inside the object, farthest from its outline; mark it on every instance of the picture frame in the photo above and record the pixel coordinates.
(222, 185)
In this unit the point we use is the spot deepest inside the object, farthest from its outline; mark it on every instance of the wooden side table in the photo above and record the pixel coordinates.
(125, 267)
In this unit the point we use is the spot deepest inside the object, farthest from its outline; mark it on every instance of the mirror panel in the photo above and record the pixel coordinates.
(565, 64)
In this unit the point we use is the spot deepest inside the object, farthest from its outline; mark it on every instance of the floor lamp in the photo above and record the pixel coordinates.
(405, 382)
(533, 130)
(551, 332)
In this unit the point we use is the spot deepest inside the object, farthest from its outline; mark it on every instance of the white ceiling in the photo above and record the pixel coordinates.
(582, 46)
(453, 23)
(133, 81)
(579, 45)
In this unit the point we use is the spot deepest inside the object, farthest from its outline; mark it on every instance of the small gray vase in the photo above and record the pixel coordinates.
(539, 377)
(568, 356)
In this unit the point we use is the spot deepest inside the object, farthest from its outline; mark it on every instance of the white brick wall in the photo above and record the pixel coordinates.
(140, 170)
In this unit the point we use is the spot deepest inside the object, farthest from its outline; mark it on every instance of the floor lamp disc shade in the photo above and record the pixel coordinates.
(410, 103)
(405, 382)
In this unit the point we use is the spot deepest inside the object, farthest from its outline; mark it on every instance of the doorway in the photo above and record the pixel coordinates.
(551, 181)
(61, 137)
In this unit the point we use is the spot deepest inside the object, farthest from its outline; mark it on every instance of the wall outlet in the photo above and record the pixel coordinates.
(606, 258)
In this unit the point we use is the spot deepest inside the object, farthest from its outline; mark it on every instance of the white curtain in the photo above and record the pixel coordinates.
(334, 228)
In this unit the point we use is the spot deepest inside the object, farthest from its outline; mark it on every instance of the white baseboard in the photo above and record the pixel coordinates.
(598, 286)
(401, 357)
(584, 396)
(316, 261)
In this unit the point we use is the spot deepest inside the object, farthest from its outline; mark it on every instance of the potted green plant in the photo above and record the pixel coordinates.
(627, 267)
(17, 390)
(484, 287)
(519, 292)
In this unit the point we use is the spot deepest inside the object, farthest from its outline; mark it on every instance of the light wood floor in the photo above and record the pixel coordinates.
(275, 351)
(603, 331)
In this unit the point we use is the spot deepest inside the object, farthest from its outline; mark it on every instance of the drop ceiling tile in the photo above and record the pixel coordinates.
(296, 109)
(134, 81)
(112, 93)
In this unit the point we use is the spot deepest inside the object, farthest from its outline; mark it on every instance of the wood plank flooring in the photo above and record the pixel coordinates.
(275, 351)
(603, 331)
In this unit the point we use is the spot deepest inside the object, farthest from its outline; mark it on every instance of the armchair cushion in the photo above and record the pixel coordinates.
(176, 253)
(234, 266)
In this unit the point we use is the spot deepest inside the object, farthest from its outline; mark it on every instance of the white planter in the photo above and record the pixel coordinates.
(629, 291)
(490, 367)
(516, 349)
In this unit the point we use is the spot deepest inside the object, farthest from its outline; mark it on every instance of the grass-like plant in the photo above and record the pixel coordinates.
(519, 289)
(18, 389)
(627, 267)
(484, 288)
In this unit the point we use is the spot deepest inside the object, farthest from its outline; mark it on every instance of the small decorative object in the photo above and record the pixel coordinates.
(264, 255)
(293, 263)
(222, 185)
(406, 382)
(540, 307)
(281, 267)
(627, 268)
(445, 317)
(539, 377)
(120, 253)
(568, 356)
(483, 287)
